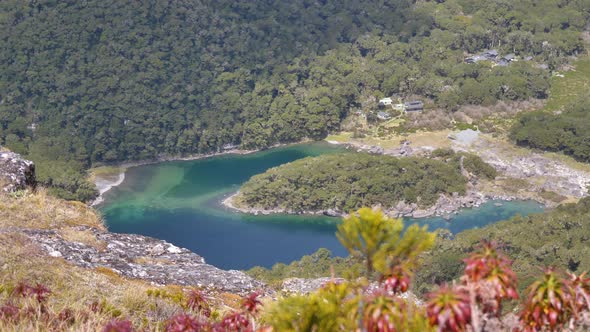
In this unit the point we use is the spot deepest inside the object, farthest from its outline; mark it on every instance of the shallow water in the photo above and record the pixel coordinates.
(179, 202)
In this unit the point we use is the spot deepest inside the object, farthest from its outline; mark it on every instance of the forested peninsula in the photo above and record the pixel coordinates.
(339, 183)
(94, 82)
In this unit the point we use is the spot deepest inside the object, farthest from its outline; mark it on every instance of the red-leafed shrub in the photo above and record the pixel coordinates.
(196, 302)
(9, 312)
(398, 281)
(549, 305)
(381, 313)
(449, 308)
(251, 303)
(489, 272)
(234, 322)
(117, 325)
(185, 323)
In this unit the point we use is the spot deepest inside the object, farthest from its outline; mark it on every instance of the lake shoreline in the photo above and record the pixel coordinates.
(446, 207)
(105, 183)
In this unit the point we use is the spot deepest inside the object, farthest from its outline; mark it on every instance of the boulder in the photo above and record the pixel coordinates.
(16, 173)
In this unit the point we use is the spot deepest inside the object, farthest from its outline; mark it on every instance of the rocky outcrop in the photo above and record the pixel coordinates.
(305, 286)
(445, 205)
(145, 258)
(16, 173)
(310, 285)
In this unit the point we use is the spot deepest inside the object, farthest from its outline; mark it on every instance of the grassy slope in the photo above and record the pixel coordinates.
(72, 287)
(575, 83)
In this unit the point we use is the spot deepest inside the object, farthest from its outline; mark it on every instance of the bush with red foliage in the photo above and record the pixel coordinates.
(9, 312)
(234, 322)
(186, 323)
(117, 325)
(196, 302)
(550, 304)
(489, 272)
(580, 288)
(449, 308)
(39, 291)
(381, 312)
(251, 303)
(398, 281)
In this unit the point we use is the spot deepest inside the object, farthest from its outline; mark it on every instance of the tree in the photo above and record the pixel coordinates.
(378, 239)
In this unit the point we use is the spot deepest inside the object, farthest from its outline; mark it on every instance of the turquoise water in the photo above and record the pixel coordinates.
(179, 202)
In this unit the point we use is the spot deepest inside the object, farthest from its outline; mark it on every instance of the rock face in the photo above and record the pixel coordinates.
(16, 173)
(145, 258)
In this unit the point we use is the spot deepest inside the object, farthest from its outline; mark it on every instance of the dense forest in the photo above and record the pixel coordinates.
(345, 182)
(567, 132)
(93, 82)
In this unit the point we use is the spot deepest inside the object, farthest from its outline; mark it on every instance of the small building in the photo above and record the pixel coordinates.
(414, 106)
(489, 55)
(398, 107)
(385, 101)
(383, 115)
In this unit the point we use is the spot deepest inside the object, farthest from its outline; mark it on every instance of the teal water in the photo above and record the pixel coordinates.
(179, 202)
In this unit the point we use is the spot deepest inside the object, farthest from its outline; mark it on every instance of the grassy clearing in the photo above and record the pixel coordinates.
(434, 139)
(575, 83)
(341, 137)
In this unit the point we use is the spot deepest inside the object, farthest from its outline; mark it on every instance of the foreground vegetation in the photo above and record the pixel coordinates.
(556, 238)
(38, 292)
(105, 81)
(552, 303)
(344, 182)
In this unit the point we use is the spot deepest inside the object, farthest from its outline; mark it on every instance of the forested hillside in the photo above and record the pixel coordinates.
(103, 81)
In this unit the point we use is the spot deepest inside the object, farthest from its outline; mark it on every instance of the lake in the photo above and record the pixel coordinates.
(179, 201)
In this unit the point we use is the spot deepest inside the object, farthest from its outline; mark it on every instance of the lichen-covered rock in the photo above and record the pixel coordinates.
(16, 173)
(305, 286)
(145, 258)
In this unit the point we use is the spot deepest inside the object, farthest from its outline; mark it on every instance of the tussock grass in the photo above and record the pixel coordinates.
(38, 210)
(82, 236)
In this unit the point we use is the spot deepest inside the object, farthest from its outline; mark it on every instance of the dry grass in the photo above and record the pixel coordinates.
(82, 236)
(434, 139)
(41, 211)
(73, 288)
